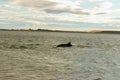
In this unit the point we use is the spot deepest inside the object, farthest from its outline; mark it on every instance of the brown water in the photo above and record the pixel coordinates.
(34, 56)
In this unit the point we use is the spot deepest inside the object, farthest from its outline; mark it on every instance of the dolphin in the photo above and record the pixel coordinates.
(65, 45)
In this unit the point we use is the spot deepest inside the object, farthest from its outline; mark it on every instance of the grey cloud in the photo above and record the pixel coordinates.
(51, 7)
(80, 11)
(101, 13)
(56, 10)
(117, 18)
(67, 10)
(48, 6)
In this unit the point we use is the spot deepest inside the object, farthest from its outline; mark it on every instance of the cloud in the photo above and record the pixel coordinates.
(104, 5)
(4, 11)
(57, 10)
(7, 0)
(80, 11)
(53, 6)
(95, 0)
(3, 23)
(68, 10)
(68, 3)
(65, 6)
(101, 7)
(94, 14)
(117, 18)
(36, 3)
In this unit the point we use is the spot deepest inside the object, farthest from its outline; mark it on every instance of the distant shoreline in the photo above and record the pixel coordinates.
(46, 30)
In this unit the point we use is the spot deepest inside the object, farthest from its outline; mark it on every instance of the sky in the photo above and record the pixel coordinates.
(73, 15)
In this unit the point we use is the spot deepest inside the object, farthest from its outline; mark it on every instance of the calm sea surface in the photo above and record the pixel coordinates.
(34, 56)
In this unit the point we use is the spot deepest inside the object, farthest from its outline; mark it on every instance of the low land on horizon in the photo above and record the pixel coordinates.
(48, 30)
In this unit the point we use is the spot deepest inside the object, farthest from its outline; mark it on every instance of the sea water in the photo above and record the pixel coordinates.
(30, 55)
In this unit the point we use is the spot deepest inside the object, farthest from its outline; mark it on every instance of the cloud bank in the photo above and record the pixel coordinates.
(59, 14)
(65, 6)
